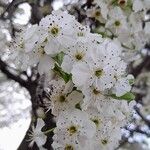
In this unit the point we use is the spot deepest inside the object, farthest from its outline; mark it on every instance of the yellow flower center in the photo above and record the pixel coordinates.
(96, 121)
(41, 50)
(21, 45)
(95, 91)
(72, 130)
(69, 147)
(79, 56)
(104, 141)
(117, 23)
(98, 73)
(80, 34)
(97, 13)
(62, 98)
(54, 31)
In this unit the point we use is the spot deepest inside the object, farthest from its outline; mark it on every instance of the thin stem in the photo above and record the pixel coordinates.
(49, 131)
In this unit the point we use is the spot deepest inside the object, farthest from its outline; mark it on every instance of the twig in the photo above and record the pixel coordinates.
(11, 8)
(142, 116)
(12, 75)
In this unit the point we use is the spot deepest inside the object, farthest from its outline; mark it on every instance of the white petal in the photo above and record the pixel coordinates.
(80, 74)
(67, 64)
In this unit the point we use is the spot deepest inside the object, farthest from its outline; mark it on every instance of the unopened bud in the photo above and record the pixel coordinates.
(40, 113)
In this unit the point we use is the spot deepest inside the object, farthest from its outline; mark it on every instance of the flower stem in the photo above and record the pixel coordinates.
(48, 131)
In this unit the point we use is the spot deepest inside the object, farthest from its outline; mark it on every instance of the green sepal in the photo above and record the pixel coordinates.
(131, 81)
(57, 69)
(128, 96)
(59, 58)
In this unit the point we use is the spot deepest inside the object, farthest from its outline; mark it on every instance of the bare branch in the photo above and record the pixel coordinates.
(142, 116)
(12, 74)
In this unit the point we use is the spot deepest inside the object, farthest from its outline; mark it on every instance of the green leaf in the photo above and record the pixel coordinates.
(131, 81)
(114, 2)
(59, 58)
(57, 69)
(128, 96)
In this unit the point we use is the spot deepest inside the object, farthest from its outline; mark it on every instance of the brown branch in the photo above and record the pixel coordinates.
(12, 74)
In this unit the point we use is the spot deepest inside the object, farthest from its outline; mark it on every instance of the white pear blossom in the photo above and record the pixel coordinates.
(117, 21)
(122, 86)
(73, 55)
(63, 98)
(106, 140)
(61, 142)
(57, 30)
(38, 56)
(36, 135)
(75, 126)
(82, 33)
(103, 6)
(108, 126)
(95, 13)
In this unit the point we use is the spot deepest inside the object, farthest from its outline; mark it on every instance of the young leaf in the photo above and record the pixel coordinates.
(62, 74)
(59, 58)
(128, 96)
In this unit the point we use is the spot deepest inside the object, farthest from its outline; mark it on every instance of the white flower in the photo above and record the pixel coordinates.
(95, 13)
(63, 98)
(122, 86)
(38, 56)
(108, 131)
(127, 109)
(82, 33)
(98, 118)
(107, 140)
(36, 135)
(61, 142)
(109, 123)
(117, 21)
(103, 6)
(133, 40)
(92, 97)
(74, 54)
(57, 30)
(75, 126)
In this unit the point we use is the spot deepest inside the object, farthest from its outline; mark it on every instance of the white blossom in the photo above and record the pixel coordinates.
(75, 126)
(73, 55)
(36, 135)
(57, 30)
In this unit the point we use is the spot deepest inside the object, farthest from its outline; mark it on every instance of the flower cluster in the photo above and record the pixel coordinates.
(89, 88)
(122, 19)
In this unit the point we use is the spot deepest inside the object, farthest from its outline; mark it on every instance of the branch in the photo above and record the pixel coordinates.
(136, 71)
(142, 116)
(36, 90)
(12, 74)
(11, 8)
